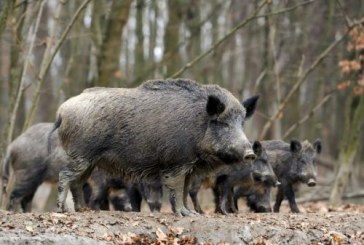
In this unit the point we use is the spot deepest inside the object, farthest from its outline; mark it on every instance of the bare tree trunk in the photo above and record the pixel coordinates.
(194, 27)
(349, 146)
(171, 37)
(21, 86)
(6, 8)
(110, 50)
(139, 49)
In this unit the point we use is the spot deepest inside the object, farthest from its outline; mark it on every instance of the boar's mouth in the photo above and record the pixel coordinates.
(228, 158)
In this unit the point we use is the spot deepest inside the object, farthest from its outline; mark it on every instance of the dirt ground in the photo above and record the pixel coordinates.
(318, 224)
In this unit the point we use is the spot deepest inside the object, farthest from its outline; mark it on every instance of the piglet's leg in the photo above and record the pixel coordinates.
(289, 193)
(279, 199)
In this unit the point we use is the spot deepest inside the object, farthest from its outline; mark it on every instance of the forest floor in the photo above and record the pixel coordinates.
(318, 224)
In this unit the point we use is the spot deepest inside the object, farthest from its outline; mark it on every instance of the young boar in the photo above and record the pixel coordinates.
(100, 184)
(160, 129)
(97, 192)
(254, 182)
(293, 163)
(32, 165)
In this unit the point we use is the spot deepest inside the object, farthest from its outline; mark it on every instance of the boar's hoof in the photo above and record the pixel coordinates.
(62, 209)
(311, 182)
(185, 212)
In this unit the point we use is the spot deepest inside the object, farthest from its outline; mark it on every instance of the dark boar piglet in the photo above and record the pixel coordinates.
(258, 197)
(160, 129)
(293, 163)
(98, 188)
(152, 193)
(254, 181)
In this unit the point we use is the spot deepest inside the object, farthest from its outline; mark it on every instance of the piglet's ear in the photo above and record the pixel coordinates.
(257, 148)
(295, 146)
(214, 106)
(250, 104)
(317, 146)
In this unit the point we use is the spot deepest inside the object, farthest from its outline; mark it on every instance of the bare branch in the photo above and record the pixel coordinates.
(285, 10)
(22, 85)
(239, 26)
(218, 43)
(302, 79)
(47, 61)
(347, 19)
(309, 115)
(165, 59)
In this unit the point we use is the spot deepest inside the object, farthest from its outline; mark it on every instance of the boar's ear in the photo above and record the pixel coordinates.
(317, 146)
(295, 146)
(214, 106)
(257, 148)
(250, 104)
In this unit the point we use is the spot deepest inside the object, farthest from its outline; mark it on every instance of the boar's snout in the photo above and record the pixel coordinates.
(249, 155)
(311, 182)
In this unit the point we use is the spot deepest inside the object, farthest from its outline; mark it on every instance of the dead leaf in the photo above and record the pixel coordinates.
(177, 230)
(58, 215)
(160, 234)
(29, 228)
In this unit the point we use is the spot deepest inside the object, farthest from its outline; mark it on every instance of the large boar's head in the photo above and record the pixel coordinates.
(225, 139)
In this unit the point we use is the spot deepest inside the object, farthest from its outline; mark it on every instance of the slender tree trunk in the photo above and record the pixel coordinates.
(110, 49)
(139, 49)
(6, 9)
(193, 24)
(349, 146)
(171, 37)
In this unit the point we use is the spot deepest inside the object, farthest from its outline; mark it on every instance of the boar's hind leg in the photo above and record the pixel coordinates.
(26, 203)
(24, 190)
(175, 184)
(72, 177)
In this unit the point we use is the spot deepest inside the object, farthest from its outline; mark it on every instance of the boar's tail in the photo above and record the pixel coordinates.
(6, 170)
(56, 125)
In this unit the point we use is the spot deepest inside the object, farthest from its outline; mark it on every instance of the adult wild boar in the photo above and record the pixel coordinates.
(293, 163)
(161, 129)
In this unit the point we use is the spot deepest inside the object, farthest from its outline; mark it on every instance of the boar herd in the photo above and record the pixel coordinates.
(176, 135)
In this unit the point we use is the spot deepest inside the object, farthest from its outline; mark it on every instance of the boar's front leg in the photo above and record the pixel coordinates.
(176, 186)
(289, 193)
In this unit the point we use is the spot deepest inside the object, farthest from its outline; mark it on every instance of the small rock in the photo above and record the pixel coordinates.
(246, 234)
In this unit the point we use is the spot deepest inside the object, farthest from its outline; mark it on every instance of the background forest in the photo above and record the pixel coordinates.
(304, 58)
